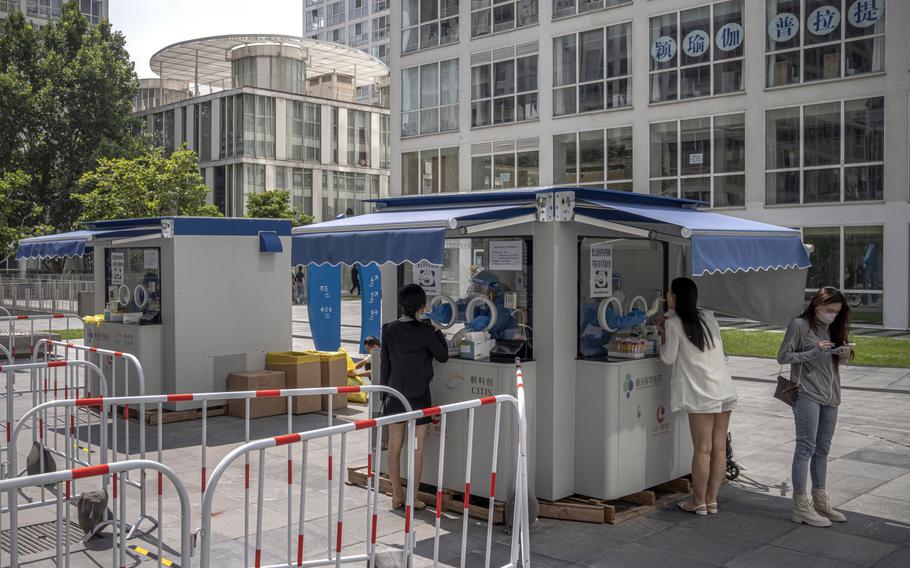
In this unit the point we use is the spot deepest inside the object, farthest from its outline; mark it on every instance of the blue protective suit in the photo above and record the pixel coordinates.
(594, 344)
(504, 319)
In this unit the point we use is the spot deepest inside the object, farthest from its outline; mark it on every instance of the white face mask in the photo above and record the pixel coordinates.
(826, 318)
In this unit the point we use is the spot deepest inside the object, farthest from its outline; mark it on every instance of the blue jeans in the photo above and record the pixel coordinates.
(815, 425)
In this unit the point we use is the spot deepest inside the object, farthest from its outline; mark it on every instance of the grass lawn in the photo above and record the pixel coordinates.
(870, 351)
(65, 334)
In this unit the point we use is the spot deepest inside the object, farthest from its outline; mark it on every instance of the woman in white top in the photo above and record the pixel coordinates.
(701, 386)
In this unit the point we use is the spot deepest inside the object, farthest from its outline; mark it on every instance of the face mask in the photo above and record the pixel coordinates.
(825, 317)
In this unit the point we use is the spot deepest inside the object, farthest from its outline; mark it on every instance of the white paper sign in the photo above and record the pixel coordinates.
(117, 268)
(505, 255)
(695, 159)
(151, 259)
(601, 270)
(429, 277)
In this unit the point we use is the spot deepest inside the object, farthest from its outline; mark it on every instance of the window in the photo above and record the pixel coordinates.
(258, 134)
(359, 138)
(428, 23)
(359, 8)
(359, 34)
(507, 166)
(697, 52)
(347, 190)
(304, 131)
(385, 138)
(170, 130)
(335, 135)
(504, 91)
(703, 159)
(202, 136)
(566, 8)
(851, 259)
(501, 15)
(380, 28)
(429, 100)
(595, 158)
(253, 182)
(825, 153)
(813, 40)
(429, 171)
(298, 182)
(592, 70)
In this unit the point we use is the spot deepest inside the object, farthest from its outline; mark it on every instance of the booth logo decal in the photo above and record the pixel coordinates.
(662, 426)
(661, 414)
(628, 385)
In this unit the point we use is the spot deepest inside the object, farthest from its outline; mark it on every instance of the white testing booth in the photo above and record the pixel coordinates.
(195, 299)
(598, 398)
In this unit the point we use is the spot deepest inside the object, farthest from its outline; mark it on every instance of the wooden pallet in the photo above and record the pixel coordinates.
(169, 416)
(452, 501)
(590, 510)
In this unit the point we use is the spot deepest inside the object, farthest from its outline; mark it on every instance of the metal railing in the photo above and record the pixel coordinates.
(42, 294)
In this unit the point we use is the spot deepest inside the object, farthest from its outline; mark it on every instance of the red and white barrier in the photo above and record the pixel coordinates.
(520, 549)
(65, 497)
(32, 333)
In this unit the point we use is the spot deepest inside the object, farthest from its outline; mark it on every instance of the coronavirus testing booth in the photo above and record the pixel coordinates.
(195, 299)
(569, 280)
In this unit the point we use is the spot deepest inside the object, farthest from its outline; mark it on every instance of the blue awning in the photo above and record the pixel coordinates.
(719, 243)
(401, 235)
(269, 242)
(74, 243)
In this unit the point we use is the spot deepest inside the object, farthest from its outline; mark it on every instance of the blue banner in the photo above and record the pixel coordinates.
(324, 305)
(370, 302)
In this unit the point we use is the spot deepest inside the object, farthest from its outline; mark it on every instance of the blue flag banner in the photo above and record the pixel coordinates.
(324, 305)
(370, 302)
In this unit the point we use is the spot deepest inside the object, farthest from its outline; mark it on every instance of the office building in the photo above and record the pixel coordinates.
(793, 112)
(361, 24)
(40, 12)
(272, 112)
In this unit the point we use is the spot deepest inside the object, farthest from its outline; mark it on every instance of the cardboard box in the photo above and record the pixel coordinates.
(334, 367)
(257, 380)
(302, 370)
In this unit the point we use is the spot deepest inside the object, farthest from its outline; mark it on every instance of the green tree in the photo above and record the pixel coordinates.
(150, 185)
(275, 204)
(65, 92)
(14, 207)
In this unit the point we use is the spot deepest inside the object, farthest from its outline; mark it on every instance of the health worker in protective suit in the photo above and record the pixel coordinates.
(593, 339)
(486, 284)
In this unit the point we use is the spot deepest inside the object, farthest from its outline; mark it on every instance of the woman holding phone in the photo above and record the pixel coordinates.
(815, 345)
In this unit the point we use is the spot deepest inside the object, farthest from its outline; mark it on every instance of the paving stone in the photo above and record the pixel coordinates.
(634, 555)
(772, 556)
(699, 543)
(849, 548)
(883, 507)
(752, 527)
(898, 488)
(894, 459)
(897, 559)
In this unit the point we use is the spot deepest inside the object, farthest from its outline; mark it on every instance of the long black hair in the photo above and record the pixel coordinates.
(686, 293)
(839, 330)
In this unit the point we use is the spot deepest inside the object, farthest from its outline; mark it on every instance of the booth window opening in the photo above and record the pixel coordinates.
(133, 283)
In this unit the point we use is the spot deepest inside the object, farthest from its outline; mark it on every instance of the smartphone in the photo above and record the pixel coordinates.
(846, 348)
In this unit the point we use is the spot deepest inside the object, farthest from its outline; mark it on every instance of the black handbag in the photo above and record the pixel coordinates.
(787, 390)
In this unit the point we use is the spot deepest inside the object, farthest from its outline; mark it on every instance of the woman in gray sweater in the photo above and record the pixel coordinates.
(815, 345)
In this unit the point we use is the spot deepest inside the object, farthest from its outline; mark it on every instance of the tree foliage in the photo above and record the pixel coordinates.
(65, 92)
(150, 185)
(14, 207)
(275, 204)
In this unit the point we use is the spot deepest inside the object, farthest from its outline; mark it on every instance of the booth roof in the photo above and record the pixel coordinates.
(74, 243)
(475, 198)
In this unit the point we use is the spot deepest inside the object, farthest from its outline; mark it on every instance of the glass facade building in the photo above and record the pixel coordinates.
(793, 112)
(40, 12)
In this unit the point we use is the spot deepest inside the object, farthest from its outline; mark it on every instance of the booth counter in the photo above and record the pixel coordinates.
(570, 268)
(195, 299)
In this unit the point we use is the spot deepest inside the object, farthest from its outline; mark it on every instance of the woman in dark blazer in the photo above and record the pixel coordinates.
(409, 346)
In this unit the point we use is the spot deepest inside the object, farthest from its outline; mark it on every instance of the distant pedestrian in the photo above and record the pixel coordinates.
(299, 278)
(700, 386)
(364, 367)
(409, 346)
(355, 280)
(815, 345)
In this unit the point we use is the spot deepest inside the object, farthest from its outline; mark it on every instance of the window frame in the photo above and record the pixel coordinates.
(578, 84)
(712, 62)
(712, 175)
(492, 155)
(490, 8)
(514, 95)
(801, 49)
(438, 107)
(606, 162)
(417, 28)
(556, 16)
(437, 181)
(841, 167)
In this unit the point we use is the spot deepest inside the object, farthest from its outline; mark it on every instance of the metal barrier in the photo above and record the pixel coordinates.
(107, 419)
(520, 547)
(117, 469)
(104, 359)
(11, 334)
(71, 429)
(45, 293)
